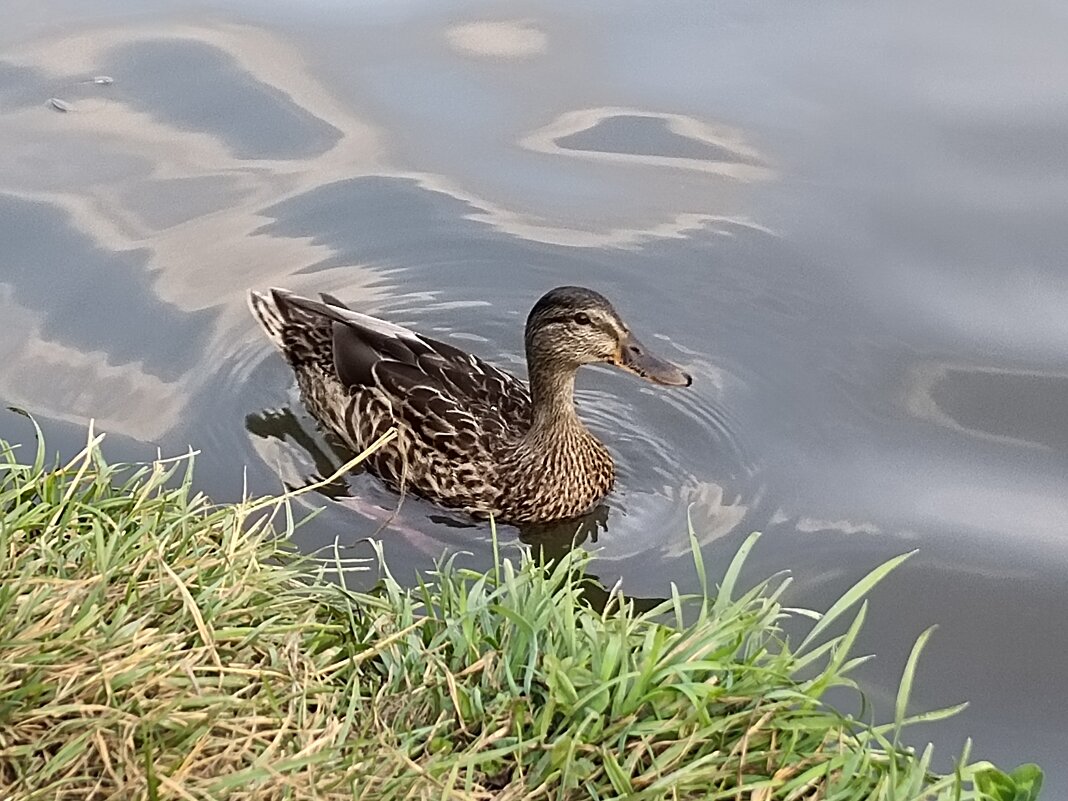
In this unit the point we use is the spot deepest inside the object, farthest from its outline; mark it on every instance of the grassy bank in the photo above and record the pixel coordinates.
(155, 646)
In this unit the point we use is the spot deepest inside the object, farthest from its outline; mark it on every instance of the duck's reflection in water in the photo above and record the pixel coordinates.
(281, 425)
(549, 543)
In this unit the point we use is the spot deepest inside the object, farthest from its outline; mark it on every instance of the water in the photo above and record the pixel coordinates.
(846, 221)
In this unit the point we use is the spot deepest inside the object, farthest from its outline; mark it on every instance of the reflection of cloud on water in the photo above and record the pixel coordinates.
(712, 513)
(129, 178)
(805, 524)
(510, 39)
(635, 136)
(192, 85)
(107, 301)
(163, 203)
(369, 211)
(121, 214)
(144, 166)
(175, 149)
(809, 525)
(65, 383)
(1024, 408)
(526, 227)
(19, 86)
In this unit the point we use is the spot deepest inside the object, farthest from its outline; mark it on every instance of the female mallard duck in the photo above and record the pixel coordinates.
(469, 436)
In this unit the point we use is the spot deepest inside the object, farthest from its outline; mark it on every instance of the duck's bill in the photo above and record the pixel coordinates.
(636, 358)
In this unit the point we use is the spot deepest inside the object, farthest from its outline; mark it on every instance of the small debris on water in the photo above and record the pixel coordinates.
(60, 105)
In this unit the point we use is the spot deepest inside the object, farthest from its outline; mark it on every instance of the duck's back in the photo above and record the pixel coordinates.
(360, 376)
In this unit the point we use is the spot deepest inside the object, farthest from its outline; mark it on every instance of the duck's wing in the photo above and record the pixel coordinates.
(430, 382)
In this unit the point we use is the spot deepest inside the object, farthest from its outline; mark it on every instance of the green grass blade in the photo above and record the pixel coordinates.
(853, 596)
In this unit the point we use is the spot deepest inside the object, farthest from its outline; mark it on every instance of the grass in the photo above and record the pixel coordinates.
(155, 646)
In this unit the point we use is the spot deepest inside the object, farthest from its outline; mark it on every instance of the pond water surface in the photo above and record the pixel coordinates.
(847, 220)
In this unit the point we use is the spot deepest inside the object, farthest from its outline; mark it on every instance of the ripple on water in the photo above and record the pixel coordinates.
(680, 454)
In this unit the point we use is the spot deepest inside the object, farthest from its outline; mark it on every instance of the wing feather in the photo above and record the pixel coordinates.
(466, 395)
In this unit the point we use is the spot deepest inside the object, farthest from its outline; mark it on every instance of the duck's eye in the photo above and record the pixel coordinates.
(582, 318)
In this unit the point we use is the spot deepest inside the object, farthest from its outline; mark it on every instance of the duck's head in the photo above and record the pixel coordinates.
(571, 326)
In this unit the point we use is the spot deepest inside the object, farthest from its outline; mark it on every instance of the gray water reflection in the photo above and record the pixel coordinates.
(195, 86)
(1016, 407)
(633, 136)
(844, 221)
(641, 136)
(78, 291)
(166, 202)
(17, 85)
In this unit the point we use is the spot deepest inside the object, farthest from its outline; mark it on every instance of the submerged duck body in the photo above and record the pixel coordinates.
(469, 436)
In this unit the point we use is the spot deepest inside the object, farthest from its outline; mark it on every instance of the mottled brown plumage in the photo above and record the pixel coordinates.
(469, 436)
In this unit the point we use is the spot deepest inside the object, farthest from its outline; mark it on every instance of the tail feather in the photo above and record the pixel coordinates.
(332, 300)
(300, 328)
(265, 308)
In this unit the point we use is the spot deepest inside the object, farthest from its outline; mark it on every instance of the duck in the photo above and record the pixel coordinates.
(469, 436)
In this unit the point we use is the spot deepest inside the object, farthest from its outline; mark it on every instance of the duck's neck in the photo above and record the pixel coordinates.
(557, 469)
(552, 395)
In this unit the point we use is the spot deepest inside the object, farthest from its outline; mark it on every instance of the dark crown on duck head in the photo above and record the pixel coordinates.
(566, 300)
